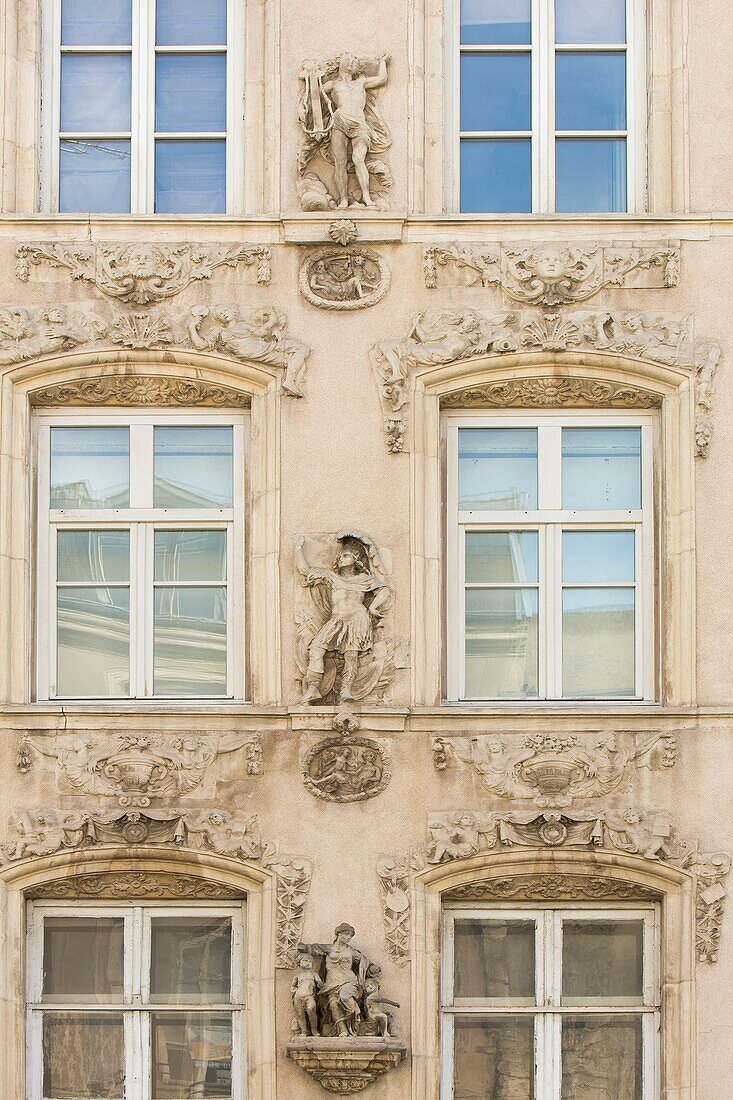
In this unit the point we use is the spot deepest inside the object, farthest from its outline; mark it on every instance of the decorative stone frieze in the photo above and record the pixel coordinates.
(37, 833)
(439, 337)
(461, 834)
(142, 274)
(346, 769)
(136, 884)
(547, 887)
(345, 645)
(547, 393)
(256, 335)
(136, 769)
(344, 279)
(344, 1028)
(552, 273)
(126, 390)
(343, 128)
(556, 769)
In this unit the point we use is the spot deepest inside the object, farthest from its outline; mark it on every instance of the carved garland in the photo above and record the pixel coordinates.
(140, 390)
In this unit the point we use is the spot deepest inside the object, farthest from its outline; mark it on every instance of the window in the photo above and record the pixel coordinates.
(550, 556)
(549, 109)
(145, 106)
(136, 1002)
(141, 556)
(550, 1004)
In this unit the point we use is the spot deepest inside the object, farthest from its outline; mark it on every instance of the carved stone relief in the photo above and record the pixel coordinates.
(346, 769)
(346, 647)
(142, 274)
(256, 335)
(443, 336)
(552, 273)
(136, 769)
(345, 1035)
(37, 833)
(140, 390)
(135, 884)
(556, 769)
(344, 278)
(344, 130)
(460, 834)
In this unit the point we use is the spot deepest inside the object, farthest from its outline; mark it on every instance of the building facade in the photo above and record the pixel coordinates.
(365, 625)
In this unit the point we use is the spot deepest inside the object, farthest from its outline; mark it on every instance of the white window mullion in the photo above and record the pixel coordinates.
(636, 94)
(544, 121)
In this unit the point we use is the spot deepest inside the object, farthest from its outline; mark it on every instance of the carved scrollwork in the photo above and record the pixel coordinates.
(551, 888)
(136, 884)
(125, 390)
(546, 393)
(344, 279)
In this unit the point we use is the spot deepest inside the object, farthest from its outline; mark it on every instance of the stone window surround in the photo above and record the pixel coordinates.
(674, 888)
(675, 508)
(667, 106)
(36, 878)
(259, 386)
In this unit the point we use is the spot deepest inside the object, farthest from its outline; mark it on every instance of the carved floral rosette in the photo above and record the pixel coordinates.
(344, 278)
(346, 769)
(461, 834)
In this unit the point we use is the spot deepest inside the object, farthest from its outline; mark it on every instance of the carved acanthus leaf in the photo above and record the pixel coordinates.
(439, 337)
(126, 389)
(142, 274)
(551, 888)
(552, 273)
(461, 834)
(545, 393)
(136, 884)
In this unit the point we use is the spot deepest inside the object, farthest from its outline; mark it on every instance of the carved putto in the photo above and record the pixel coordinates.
(142, 273)
(552, 273)
(343, 1023)
(344, 279)
(345, 649)
(346, 769)
(136, 769)
(343, 125)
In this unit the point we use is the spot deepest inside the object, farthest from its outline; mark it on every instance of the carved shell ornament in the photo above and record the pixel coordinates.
(346, 769)
(344, 279)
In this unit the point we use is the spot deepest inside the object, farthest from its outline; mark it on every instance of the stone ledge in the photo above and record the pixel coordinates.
(346, 1066)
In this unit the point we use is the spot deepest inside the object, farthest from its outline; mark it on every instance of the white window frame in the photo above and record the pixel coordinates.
(548, 1011)
(543, 133)
(142, 522)
(550, 522)
(137, 1008)
(143, 135)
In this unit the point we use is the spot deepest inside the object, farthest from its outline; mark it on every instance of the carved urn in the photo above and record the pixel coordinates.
(134, 774)
(346, 1066)
(552, 774)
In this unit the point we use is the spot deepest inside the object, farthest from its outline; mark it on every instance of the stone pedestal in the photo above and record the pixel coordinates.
(346, 1066)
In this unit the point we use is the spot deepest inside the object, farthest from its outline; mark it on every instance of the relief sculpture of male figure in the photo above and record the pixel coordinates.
(348, 92)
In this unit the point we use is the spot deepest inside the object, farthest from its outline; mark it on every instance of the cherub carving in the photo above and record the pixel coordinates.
(305, 986)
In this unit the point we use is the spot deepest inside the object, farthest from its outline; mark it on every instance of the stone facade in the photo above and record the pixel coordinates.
(335, 791)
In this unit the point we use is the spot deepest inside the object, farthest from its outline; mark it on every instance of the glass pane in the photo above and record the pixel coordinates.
(104, 23)
(496, 22)
(190, 650)
(495, 958)
(504, 557)
(602, 1058)
(190, 960)
(190, 177)
(94, 177)
(496, 91)
(191, 22)
(95, 556)
(501, 643)
(601, 468)
(497, 469)
(83, 1056)
(96, 92)
(598, 642)
(581, 21)
(93, 632)
(193, 467)
(192, 1055)
(190, 555)
(190, 93)
(494, 1058)
(90, 467)
(590, 91)
(496, 177)
(602, 961)
(83, 959)
(598, 557)
(590, 175)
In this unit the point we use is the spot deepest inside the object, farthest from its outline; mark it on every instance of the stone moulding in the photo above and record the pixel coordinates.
(346, 1070)
(142, 274)
(551, 273)
(39, 833)
(256, 335)
(461, 834)
(440, 337)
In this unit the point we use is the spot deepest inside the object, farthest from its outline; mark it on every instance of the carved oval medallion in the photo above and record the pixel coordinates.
(344, 278)
(346, 769)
